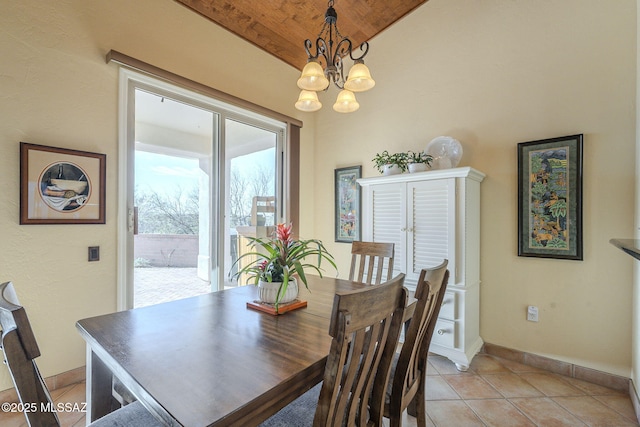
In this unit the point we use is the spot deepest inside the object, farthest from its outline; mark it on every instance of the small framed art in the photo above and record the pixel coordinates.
(347, 204)
(61, 186)
(550, 198)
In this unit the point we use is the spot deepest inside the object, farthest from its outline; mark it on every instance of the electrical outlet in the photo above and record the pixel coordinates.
(532, 313)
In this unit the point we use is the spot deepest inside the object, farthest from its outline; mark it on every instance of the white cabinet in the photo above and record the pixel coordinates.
(431, 216)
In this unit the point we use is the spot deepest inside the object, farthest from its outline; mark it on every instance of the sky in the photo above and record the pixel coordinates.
(165, 173)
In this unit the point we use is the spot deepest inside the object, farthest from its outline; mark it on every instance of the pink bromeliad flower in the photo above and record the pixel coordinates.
(283, 233)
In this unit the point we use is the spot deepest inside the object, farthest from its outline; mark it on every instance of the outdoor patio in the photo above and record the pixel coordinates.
(154, 285)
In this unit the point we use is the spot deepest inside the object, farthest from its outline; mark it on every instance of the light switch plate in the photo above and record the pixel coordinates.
(94, 253)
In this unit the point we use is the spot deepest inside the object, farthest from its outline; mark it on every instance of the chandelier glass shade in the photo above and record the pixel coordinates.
(315, 77)
(346, 102)
(308, 101)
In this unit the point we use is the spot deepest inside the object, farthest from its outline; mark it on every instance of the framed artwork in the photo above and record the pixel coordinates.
(61, 186)
(347, 204)
(550, 198)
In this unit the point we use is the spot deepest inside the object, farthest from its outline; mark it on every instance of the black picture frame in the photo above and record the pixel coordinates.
(61, 186)
(550, 198)
(348, 201)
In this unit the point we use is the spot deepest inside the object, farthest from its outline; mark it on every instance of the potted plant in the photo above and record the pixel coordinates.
(418, 162)
(274, 263)
(390, 164)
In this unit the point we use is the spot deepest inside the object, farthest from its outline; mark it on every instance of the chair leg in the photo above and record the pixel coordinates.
(419, 403)
(421, 409)
(395, 420)
(394, 412)
(411, 408)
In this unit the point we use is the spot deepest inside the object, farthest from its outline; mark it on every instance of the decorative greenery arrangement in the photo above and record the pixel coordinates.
(384, 158)
(282, 257)
(401, 160)
(420, 157)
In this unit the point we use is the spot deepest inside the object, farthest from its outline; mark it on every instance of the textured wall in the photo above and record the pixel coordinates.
(56, 89)
(492, 74)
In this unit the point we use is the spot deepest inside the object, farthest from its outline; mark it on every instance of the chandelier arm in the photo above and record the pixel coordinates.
(338, 72)
(364, 47)
(307, 48)
(322, 49)
(342, 49)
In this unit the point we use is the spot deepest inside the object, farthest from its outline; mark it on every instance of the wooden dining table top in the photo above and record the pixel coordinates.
(210, 360)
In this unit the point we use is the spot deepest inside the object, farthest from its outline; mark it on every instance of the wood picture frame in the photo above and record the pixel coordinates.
(550, 198)
(61, 186)
(348, 215)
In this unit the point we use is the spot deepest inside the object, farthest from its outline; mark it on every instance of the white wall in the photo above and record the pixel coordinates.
(492, 74)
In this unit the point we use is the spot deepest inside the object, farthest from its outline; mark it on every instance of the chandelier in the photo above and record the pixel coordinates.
(332, 52)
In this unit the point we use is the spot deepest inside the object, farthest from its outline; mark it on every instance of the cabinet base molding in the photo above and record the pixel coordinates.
(462, 359)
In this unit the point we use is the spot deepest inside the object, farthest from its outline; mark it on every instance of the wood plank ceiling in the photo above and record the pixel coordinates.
(280, 27)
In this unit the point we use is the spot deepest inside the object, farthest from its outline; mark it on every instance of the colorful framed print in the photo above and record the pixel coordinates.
(61, 186)
(550, 198)
(347, 205)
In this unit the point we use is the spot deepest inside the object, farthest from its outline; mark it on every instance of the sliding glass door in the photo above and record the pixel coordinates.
(173, 179)
(252, 164)
(197, 177)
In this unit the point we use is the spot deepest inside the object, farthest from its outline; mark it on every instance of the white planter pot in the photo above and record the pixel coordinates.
(417, 167)
(268, 291)
(391, 170)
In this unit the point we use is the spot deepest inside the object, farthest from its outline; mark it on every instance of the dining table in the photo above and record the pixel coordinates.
(211, 360)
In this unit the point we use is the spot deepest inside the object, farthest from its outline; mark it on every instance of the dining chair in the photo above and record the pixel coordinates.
(406, 389)
(369, 257)
(365, 327)
(20, 350)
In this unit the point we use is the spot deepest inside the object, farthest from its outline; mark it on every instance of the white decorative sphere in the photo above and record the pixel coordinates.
(446, 152)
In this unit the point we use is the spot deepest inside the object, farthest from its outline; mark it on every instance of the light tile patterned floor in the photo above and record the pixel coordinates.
(494, 392)
(499, 392)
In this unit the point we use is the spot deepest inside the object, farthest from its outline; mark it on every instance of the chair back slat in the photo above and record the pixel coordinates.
(408, 383)
(368, 258)
(20, 349)
(365, 326)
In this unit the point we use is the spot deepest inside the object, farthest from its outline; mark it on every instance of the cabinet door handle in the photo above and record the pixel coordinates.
(441, 331)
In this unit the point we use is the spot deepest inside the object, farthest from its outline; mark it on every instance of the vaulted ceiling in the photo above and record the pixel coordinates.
(280, 27)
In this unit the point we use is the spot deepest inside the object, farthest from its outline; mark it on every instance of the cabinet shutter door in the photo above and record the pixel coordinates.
(389, 207)
(432, 223)
(431, 216)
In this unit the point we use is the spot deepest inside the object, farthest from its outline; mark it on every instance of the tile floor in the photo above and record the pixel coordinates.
(71, 398)
(493, 392)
